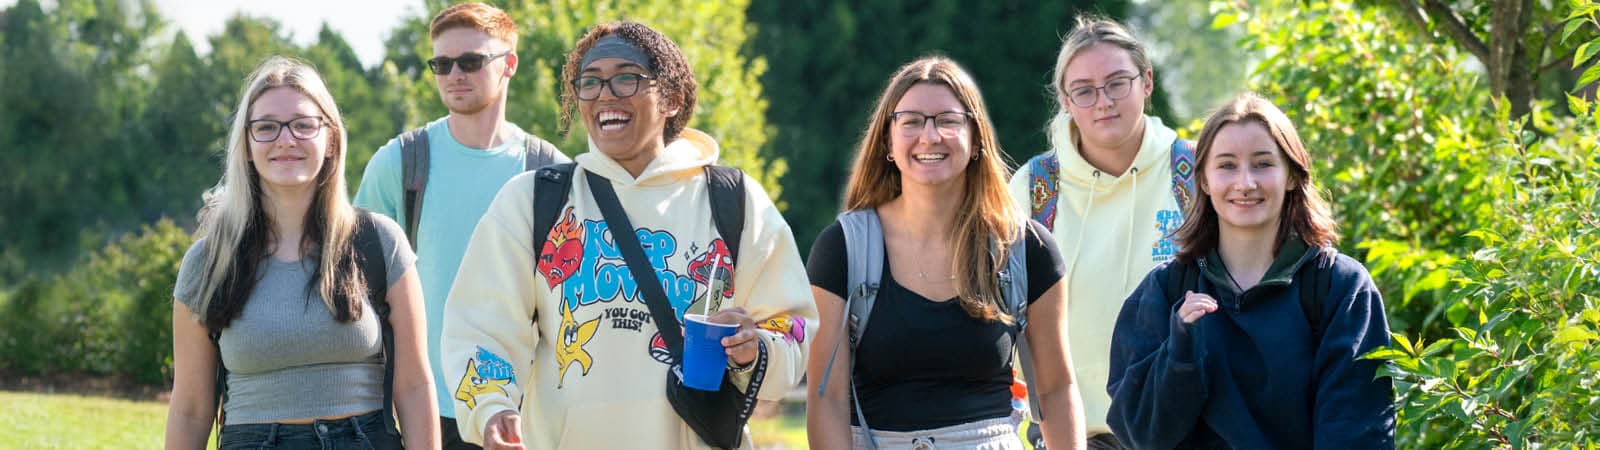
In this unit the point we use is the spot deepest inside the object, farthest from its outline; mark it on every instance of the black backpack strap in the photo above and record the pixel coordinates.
(414, 177)
(726, 185)
(1181, 277)
(371, 260)
(220, 390)
(549, 195)
(1314, 289)
(644, 276)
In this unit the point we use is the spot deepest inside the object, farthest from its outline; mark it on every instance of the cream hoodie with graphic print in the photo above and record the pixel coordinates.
(561, 333)
(1111, 230)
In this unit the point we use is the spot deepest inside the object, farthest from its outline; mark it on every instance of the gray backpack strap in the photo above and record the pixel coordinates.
(414, 175)
(1014, 289)
(863, 242)
(540, 153)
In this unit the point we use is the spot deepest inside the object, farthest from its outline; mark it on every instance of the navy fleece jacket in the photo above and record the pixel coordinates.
(1250, 375)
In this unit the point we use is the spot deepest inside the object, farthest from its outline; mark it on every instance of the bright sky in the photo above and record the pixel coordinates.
(363, 23)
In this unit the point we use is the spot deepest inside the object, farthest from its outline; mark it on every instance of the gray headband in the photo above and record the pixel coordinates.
(614, 46)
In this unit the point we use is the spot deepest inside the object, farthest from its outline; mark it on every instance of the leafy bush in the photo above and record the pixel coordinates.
(1478, 226)
(111, 314)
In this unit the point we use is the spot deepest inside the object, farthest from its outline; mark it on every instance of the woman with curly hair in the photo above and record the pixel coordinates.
(599, 354)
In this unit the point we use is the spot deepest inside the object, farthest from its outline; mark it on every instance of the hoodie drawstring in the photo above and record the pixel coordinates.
(1083, 220)
(1133, 205)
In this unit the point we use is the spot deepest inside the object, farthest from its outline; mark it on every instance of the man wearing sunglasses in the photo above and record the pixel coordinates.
(456, 163)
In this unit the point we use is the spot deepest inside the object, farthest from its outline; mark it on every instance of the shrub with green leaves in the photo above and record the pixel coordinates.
(111, 314)
(1479, 227)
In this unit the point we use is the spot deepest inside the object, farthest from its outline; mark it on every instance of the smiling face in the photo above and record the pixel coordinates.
(1246, 178)
(925, 152)
(288, 161)
(470, 93)
(625, 128)
(1107, 123)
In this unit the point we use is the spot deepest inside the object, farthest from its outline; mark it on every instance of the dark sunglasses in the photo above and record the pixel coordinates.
(470, 62)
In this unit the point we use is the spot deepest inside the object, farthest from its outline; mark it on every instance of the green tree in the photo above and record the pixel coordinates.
(1475, 221)
(1520, 43)
(72, 83)
(830, 59)
(731, 101)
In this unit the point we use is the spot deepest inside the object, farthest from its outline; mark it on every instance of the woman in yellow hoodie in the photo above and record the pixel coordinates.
(553, 345)
(1106, 191)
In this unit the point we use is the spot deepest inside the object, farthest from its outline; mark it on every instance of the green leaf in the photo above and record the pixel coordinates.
(1572, 26)
(1466, 334)
(1578, 105)
(1404, 343)
(1437, 347)
(1577, 333)
(1585, 53)
(1385, 353)
(1223, 20)
(1589, 75)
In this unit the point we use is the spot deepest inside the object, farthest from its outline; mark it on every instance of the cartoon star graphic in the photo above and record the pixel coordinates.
(572, 339)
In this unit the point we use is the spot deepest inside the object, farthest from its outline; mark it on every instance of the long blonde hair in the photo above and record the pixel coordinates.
(238, 229)
(986, 223)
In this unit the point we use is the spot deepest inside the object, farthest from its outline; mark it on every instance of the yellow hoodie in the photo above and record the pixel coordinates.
(588, 371)
(1111, 230)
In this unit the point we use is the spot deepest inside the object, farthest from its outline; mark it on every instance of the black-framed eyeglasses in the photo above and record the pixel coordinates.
(623, 85)
(911, 123)
(1115, 89)
(267, 130)
(469, 62)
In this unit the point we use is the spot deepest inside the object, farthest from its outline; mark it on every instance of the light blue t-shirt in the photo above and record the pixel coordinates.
(462, 181)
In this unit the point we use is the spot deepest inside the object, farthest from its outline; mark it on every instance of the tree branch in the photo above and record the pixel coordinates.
(1453, 25)
(1413, 12)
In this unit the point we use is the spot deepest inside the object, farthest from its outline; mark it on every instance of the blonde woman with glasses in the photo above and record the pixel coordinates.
(281, 302)
(1110, 190)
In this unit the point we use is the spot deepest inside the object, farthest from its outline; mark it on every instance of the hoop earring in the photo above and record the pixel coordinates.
(890, 158)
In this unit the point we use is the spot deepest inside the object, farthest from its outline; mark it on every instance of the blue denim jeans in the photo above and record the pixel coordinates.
(363, 432)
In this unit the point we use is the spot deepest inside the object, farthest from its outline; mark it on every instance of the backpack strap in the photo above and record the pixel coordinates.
(1181, 276)
(540, 153)
(1044, 173)
(1014, 290)
(370, 258)
(414, 177)
(1314, 290)
(1182, 159)
(549, 195)
(220, 388)
(726, 186)
(863, 242)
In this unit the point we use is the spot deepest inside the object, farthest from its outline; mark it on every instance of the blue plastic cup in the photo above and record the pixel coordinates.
(704, 359)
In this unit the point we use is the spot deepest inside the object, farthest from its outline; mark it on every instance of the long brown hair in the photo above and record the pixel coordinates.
(238, 229)
(672, 72)
(1304, 213)
(987, 215)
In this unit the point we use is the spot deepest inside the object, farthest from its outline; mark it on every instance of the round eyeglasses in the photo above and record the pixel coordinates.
(1115, 89)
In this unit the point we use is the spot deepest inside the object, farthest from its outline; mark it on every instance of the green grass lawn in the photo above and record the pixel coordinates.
(70, 421)
(65, 421)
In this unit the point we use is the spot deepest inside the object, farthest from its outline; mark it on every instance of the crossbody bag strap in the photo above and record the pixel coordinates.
(644, 276)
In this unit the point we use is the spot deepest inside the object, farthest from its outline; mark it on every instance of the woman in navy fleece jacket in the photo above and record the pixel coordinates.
(1220, 348)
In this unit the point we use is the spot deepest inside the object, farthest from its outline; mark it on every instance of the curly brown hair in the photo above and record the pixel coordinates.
(673, 75)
